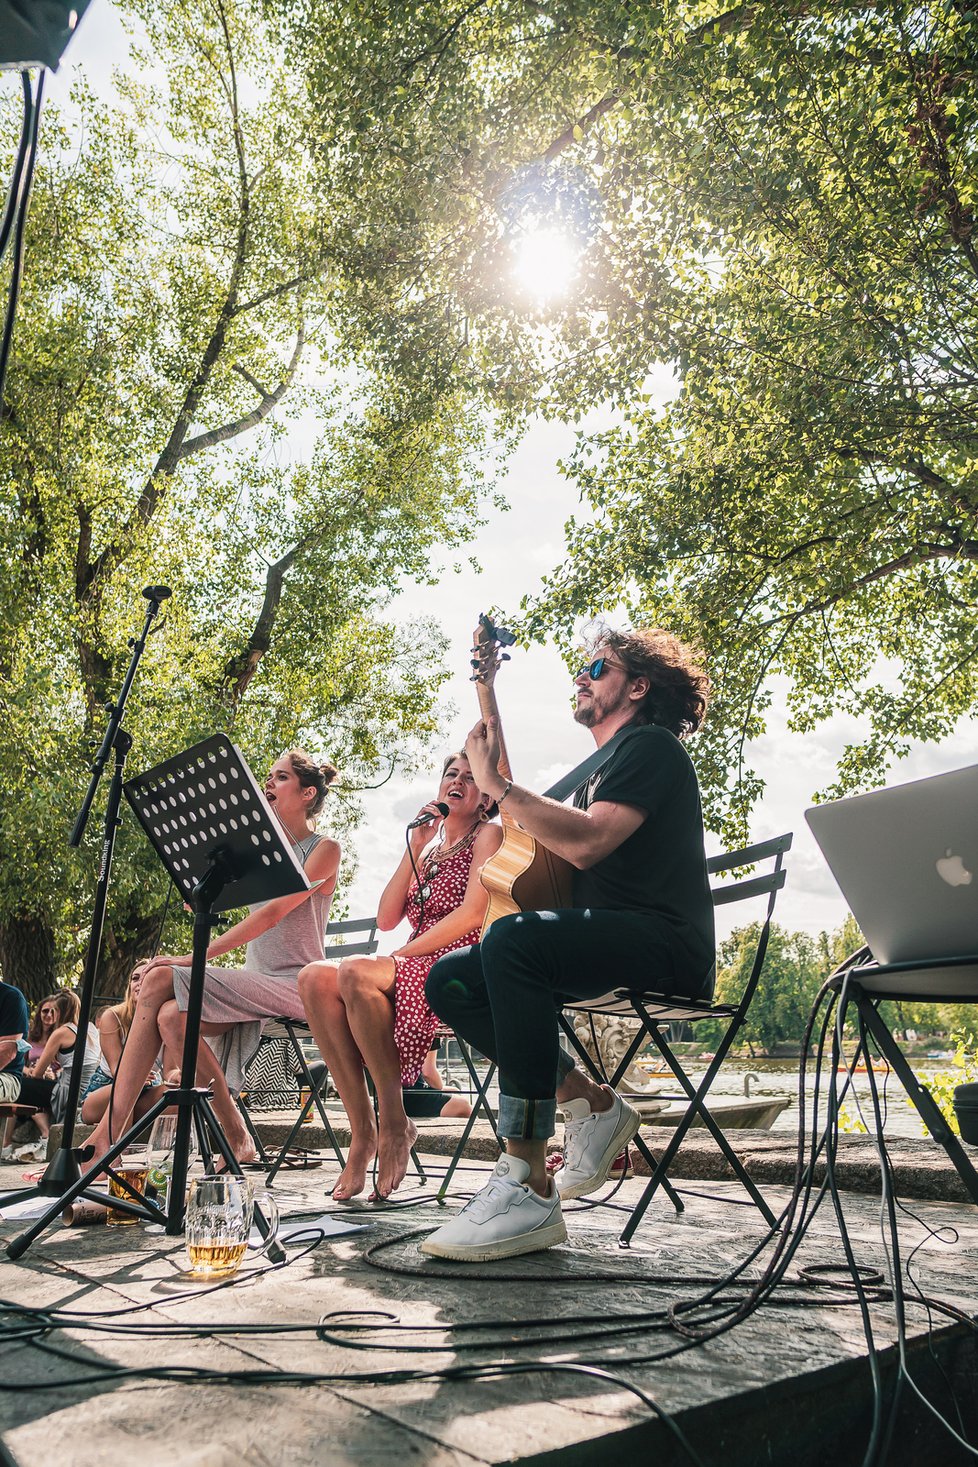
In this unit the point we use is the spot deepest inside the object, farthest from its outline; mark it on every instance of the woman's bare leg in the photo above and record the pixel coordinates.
(173, 1026)
(141, 1048)
(95, 1105)
(328, 1021)
(366, 986)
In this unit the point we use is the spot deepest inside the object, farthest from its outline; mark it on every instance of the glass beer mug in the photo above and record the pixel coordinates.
(218, 1223)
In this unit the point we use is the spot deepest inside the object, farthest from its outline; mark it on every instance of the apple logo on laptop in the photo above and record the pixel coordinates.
(953, 870)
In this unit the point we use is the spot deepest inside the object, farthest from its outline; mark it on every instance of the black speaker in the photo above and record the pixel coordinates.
(36, 32)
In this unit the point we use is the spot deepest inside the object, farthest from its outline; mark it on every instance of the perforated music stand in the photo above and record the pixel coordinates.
(208, 821)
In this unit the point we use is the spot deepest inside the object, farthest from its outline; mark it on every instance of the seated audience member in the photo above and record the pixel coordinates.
(44, 1020)
(14, 1021)
(430, 1082)
(113, 1027)
(372, 1011)
(51, 1095)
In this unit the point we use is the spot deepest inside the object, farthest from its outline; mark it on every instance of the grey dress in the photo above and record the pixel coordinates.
(266, 987)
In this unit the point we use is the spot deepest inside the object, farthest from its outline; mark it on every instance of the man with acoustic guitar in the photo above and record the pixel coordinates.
(640, 909)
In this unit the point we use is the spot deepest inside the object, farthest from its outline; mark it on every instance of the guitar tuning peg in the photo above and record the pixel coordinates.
(474, 662)
(505, 657)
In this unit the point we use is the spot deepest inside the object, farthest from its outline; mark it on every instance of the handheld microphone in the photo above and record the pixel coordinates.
(429, 815)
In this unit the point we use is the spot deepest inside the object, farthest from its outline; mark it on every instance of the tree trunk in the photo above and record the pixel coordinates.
(27, 956)
(131, 936)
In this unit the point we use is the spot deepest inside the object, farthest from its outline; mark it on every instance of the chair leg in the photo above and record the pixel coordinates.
(315, 1096)
(919, 1094)
(481, 1090)
(287, 1144)
(695, 1108)
(589, 1063)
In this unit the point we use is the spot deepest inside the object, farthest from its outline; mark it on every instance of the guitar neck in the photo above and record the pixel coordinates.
(489, 709)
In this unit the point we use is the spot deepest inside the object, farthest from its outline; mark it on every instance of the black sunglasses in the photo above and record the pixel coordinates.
(595, 669)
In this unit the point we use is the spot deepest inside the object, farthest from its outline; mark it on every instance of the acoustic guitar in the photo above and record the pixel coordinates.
(522, 876)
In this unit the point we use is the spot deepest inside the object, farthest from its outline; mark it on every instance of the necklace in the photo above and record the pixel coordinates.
(431, 865)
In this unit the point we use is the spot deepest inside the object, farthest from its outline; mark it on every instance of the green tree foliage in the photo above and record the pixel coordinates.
(184, 297)
(795, 967)
(793, 972)
(777, 203)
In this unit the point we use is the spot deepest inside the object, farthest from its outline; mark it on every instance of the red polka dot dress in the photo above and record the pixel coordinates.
(443, 883)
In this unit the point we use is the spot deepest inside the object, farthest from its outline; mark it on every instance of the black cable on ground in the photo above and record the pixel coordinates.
(723, 1303)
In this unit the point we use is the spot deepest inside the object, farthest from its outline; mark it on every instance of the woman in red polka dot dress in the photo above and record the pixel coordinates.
(372, 1011)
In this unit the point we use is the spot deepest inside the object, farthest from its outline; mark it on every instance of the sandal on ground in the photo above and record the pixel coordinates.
(298, 1160)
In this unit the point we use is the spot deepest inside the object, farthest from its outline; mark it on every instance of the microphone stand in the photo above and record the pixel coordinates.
(63, 1170)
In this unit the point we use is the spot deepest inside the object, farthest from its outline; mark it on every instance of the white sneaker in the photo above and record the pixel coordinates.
(7, 1153)
(592, 1140)
(506, 1218)
(33, 1151)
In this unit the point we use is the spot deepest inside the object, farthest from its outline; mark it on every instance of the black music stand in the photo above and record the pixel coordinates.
(210, 825)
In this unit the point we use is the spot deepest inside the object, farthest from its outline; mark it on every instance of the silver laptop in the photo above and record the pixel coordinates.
(906, 860)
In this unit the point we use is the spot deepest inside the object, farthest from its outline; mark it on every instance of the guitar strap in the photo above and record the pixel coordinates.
(583, 771)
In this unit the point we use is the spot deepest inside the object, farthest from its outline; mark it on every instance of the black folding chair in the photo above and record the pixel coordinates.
(655, 1010)
(357, 937)
(479, 1090)
(865, 985)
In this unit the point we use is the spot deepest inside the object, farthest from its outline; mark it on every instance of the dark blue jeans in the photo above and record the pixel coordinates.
(502, 996)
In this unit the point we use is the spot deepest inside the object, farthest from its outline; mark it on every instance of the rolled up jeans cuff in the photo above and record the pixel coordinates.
(526, 1120)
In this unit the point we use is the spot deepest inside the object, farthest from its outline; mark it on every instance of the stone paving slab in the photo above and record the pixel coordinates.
(783, 1369)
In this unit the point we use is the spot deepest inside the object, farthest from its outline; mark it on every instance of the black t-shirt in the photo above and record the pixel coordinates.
(14, 1019)
(661, 867)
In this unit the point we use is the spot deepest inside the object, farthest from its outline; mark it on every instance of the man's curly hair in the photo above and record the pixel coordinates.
(679, 689)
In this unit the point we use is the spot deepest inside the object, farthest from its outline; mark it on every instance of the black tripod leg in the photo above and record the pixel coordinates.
(19, 1245)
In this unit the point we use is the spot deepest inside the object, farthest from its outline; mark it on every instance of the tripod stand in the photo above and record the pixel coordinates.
(63, 1169)
(204, 813)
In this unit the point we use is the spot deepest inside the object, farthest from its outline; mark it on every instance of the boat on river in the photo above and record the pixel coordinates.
(757, 1114)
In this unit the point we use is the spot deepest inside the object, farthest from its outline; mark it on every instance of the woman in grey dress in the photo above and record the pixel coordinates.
(282, 936)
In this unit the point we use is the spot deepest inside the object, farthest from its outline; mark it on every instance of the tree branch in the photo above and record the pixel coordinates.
(964, 550)
(240, 670)
(570, 134)
(156, 485)
(269, 400)
(270, 295)
(442, 41)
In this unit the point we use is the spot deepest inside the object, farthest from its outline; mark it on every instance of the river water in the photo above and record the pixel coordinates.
(765, 1077)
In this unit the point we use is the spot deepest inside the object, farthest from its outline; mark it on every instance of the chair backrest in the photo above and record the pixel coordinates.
(742, 888)
(350, 944)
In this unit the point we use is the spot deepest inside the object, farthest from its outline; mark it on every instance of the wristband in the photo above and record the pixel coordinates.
(500, 798)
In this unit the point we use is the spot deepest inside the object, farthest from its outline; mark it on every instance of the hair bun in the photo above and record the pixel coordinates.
(328, 772)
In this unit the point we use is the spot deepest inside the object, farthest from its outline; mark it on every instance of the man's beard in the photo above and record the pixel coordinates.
(586, 714)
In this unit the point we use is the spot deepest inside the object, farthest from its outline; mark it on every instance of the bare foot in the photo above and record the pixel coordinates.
(353, 1178)
(242, 1145)
(393, 1155)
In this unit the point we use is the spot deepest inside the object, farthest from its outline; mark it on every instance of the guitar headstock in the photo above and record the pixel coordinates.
(487, 651)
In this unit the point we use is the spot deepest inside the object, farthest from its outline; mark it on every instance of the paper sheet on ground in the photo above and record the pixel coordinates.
(330, 1227)
(27, 1210)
